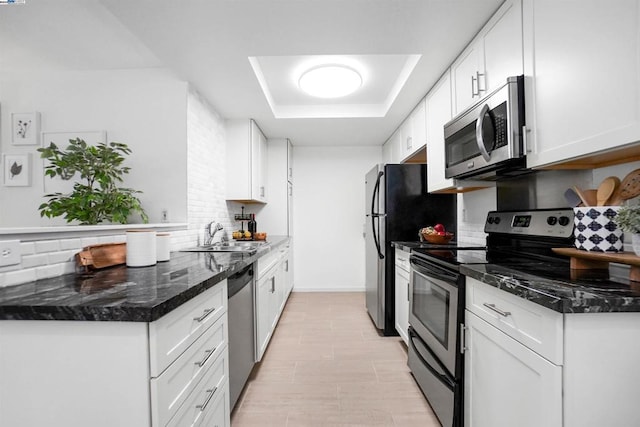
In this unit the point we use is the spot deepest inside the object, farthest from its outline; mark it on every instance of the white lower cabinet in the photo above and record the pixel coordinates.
(273, 287)
(527, 365)
(170, 372)
(402, 294)
(507, 384)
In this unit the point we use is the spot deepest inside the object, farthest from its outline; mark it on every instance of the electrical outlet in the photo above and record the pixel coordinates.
(164, 217)
(9, 252)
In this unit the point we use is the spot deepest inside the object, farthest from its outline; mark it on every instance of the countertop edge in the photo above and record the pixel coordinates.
(126, 313)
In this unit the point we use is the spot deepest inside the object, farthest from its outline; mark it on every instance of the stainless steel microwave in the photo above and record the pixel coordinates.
(486, 140)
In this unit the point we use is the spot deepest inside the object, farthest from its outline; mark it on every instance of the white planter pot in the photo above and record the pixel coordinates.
(635, 243)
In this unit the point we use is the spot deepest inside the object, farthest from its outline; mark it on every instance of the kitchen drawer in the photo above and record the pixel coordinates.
(219, 413)
(173, 333)
(537, 327)
(402, 260)
(267, 261)
(206, 397)
(172, 388)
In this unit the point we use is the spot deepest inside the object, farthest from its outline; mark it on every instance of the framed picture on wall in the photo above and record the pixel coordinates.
(25, 128)
(17, 170)
(61, 139)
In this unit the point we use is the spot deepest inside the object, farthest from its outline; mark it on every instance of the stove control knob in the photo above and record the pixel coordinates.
(496, 220)
(564, 220)
(552, 220)
(490, 220)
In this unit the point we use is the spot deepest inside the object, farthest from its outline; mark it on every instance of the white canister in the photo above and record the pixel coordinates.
(163, 243)
(141, 248)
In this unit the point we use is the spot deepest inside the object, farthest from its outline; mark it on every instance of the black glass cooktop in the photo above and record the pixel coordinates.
(548, 267)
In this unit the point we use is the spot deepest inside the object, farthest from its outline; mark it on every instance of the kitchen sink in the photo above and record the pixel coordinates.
(244, 246)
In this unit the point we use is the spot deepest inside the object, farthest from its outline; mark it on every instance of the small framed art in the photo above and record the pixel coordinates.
(25, 128)
(17, 170)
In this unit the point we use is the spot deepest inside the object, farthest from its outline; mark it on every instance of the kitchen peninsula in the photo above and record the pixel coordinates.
(122, 346)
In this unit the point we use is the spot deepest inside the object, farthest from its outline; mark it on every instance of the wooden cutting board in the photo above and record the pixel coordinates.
(102, 256)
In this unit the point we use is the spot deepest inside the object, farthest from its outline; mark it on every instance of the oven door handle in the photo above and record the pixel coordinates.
(439, 371)
(434, 271)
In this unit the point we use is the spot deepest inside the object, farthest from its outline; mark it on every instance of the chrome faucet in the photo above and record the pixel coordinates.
(210, 231)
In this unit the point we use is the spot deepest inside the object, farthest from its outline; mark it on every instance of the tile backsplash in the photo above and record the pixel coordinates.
(42, 259)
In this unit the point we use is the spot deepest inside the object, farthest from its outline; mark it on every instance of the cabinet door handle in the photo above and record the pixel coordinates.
(207, 357)
(206, 402)
(261, 191)
(291, 191)
(408, 292)
(497, 310)
(290, 172)
(525, 141)
(286, 266)
(409, 142)
(273, 285)
(206, 313)
(478, 75)
(473, 91)
(463, 348)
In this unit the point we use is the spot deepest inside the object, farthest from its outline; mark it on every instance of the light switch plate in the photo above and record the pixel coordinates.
(9, 252)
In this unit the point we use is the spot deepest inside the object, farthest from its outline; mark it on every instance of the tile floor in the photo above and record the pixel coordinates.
(327, 366)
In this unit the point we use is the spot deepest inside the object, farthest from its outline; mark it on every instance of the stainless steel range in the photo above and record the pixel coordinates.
(518, 239)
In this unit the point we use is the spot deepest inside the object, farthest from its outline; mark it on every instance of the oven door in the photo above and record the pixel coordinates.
(433, 309)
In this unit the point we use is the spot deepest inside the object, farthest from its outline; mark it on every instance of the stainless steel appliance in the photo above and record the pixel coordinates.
(241, 324)
(436, 311)
(487, 141)
(518, 239)
(397, 206)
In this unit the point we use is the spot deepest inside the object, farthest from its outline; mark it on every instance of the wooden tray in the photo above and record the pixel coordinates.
(102, 256)
(585, 260)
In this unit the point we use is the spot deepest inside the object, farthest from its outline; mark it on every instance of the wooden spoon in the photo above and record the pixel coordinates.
(606, 188)
(628, 188)
(583, 197)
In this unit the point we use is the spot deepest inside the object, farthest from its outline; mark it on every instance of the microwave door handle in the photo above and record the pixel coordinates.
(479, 137)
(375, 216)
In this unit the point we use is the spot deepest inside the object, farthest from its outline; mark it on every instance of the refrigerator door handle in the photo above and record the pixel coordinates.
(376, 189)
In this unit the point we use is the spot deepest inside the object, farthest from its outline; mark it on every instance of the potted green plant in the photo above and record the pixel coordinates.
(96, 197)
(628, 219)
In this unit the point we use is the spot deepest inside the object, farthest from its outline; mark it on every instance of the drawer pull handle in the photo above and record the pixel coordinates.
(206, 402)
(207, 357)
(207, 312)
(497, 310)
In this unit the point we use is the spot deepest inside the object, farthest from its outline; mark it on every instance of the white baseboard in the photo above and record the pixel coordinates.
(295, 289)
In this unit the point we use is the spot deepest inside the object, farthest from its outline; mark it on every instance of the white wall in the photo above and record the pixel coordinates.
(472, 214)
(143, 108)
(328, 209)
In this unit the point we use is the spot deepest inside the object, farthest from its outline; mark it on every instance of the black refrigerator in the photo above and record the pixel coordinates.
(397, 205)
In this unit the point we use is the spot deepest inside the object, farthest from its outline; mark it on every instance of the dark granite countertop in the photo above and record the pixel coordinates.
(408, 246)
(124, 294)
(564, 296)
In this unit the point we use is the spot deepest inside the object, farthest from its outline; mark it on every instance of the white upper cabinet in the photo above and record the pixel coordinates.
(438, 104)
(246, 161)
(413, 132)
(391, 148)
(582, 62)
(493, 55)
(276, 217)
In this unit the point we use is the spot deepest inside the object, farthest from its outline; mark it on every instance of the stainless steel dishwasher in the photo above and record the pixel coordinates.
(241, 330)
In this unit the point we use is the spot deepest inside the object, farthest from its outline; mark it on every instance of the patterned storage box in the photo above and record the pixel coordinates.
(596, 229)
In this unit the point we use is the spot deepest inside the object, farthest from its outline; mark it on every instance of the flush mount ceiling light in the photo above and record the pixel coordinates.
(330, 81)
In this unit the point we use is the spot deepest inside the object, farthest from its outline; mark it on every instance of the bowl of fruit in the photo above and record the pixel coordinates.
(436, 235)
